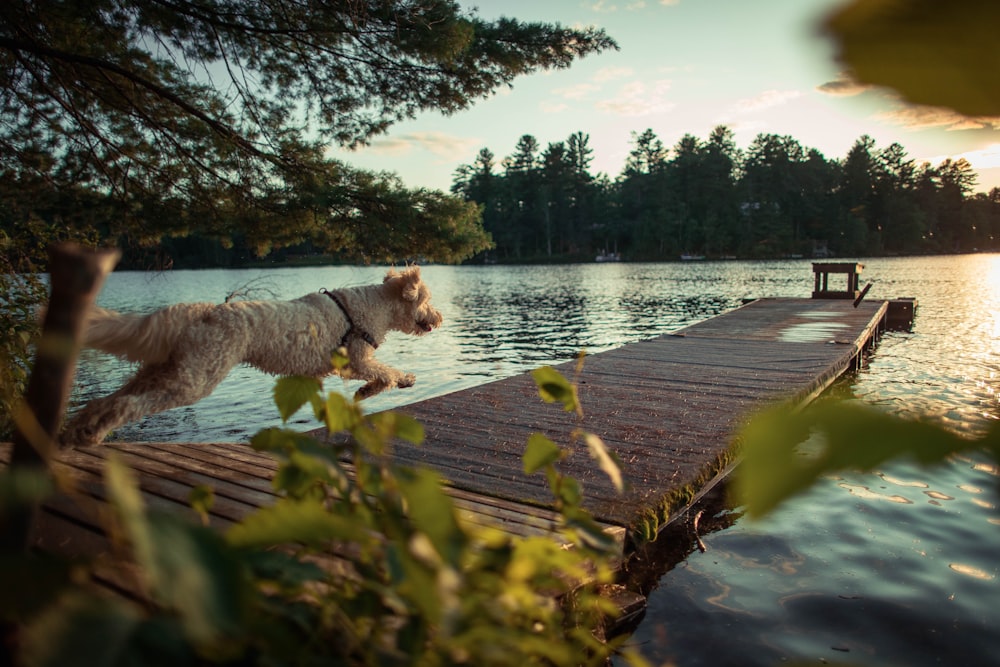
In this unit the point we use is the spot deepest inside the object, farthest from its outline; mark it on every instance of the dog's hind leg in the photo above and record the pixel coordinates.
(154, 388)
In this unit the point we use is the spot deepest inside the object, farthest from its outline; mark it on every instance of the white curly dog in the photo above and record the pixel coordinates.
(187, 349)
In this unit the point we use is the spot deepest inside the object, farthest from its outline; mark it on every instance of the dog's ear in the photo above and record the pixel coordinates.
(408, 282)
(411, 283)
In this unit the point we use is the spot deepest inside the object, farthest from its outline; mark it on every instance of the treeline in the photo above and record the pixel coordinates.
(706, 197)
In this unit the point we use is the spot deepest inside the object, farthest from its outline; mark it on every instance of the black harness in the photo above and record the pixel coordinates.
(354, 329)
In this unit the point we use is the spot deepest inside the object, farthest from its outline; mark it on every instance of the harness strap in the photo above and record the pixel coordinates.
(354, 329)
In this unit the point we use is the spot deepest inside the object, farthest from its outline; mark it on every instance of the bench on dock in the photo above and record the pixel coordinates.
(821, 276)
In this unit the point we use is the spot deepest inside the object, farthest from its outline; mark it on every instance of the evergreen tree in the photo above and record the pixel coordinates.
(523, 200)
(775, 206)
(956, 179)
(856, 190)
(898, 219)
(719, 159)
(555, 204)
(643, 195)
(211, 117)
(584, 194)
(706, 197)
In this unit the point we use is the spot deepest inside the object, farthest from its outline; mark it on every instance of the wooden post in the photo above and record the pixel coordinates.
(76, 275)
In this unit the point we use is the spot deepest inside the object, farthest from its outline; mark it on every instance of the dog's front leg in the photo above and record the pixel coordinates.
(379, 376)
(379, 384)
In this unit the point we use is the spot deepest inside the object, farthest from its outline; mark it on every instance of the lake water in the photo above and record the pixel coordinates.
(898, 567)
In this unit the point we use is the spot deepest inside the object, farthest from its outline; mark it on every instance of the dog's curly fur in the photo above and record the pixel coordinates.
(186, 350)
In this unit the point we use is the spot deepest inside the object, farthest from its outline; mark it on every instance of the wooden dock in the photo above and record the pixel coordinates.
(668, 407)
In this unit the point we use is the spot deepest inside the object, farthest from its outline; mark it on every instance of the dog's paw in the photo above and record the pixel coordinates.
(369, 390)
(408, 380)
(79, 437)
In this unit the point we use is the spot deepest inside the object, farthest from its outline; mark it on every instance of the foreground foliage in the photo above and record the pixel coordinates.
(362, 563)
(779, 463)
(941, 54)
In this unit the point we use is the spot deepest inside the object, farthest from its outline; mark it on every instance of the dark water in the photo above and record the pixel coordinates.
(899, 567)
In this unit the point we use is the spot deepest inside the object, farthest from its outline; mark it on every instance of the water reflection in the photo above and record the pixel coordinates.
(540, 327)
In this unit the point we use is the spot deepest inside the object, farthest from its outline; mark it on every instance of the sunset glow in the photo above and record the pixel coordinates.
(682, 69)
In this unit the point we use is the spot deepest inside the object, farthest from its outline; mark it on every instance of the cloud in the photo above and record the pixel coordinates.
(606, 7)
(444, 146)
(603, 7)
(922, 118)
(843, 86)
(638, 99)
(577, 92)
(766, 100)
(747, 128)
(553, 107)
(612, 74)
(984, 158)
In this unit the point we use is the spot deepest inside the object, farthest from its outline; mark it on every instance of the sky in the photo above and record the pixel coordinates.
(684, 67)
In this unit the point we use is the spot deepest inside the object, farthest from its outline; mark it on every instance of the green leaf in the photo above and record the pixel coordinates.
(280, 441)
(589, 533)
(554, 388)
(23, 486)
(283, 568)
(202, 498)
(416, 582)
(30, 583)
(340, 358)
(537, 556)
(83, 628)
(941, 54)
(569, 491)
(186, 567)
(433, 512)
(841, 436)
(294, 391)
(199, 576)
(389, 425)
(123, 492)
(607, 461)
(288, 521)
(540, 452)
(341, 413)
(409, 429)
(370, 440)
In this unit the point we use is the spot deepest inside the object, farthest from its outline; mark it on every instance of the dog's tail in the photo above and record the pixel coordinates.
(145, 338)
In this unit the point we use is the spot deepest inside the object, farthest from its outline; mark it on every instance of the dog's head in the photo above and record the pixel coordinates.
(416, 316)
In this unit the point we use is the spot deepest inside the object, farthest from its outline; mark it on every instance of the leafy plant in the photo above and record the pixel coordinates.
(543, 454)
(935, 53)
(23, 243)
(777, 465)
(358, 562)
